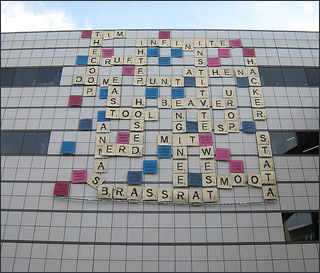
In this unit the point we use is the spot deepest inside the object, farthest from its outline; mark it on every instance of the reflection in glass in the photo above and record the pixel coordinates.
(301, 226)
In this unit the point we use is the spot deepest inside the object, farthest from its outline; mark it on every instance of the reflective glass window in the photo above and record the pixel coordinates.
(312, 76)
(294, 142)
(271, 76)
(294, 76)
(49, 76)
(25, 77)
(31, 142)
(11, 142)
(7, 76)
(301, 226)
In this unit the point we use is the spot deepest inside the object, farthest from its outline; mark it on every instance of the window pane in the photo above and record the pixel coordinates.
(308, 142)
(271, 76)
(294, 76)
(7, 75)
(35, 143)
(49, 76)
(11, 142)
(294, 142)
(312, 76)
(300, 226)
(284, 143)
(25, 77)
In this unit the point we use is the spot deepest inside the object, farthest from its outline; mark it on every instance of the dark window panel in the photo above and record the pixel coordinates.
(7, 76)
(301, 226)
(294, 76)
(271, 76)
(25, 77)
(49, 76)
(294, 142)
(11, 142)
(30, 142)
(35, 143)
(308, 142)
(284, 143)
(312, 76)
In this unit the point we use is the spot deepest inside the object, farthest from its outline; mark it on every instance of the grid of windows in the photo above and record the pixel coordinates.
(42, 233)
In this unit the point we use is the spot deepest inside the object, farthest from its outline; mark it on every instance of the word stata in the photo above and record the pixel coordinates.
(208, 64)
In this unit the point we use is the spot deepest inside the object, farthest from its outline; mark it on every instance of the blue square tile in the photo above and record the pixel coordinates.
(192, 126)
(103, 93)
(249, 126)
(243, 82)
(189, 81)
(164, 151)
(153, 52)
(176, 52)
(85, 124)
(102, 116)
(195, 179)
(177, 93)
(152, 92)
(150, 166)
(82, 59)
(68, 147)
(134, 177)
(164, 61)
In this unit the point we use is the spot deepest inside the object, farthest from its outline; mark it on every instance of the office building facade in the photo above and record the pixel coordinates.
(160, 150)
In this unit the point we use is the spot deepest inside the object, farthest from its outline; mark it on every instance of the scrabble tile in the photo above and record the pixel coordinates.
(235, 43)
(224, 182)
(180, 180)
(101, 166)
(195, 179)
(164, 151)
(270, 192)
(180, 195)
(249, 126)
(150, 166)
(153, 52)
(243, 82)
(191, 126)
(95, 180)
(179, 152)
(210, 195)
(75, 100)
(209, 180)
(236, 166)
(164, 61)
(222, 154)
(238, 179)
(223, 52)
(134, 178)
(123, 137)
(152, 92)
(165, 194)
(206, 152)
(205, 140)
(105, 191)
(61, 188)
(134, 193)
(150, 193)
(254, 180)
(79, 176)
(85, 125)
(81, 59)
(68, 147)
(195, 195)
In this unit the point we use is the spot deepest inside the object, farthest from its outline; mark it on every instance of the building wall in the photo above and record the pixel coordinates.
(79, 232)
